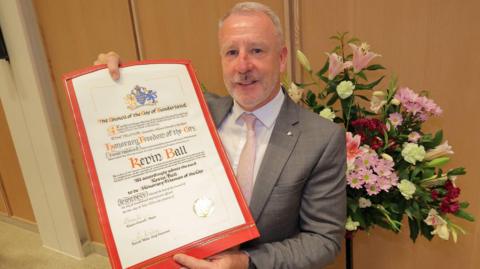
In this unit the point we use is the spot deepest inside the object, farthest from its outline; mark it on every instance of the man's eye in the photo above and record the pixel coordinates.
(231, 53)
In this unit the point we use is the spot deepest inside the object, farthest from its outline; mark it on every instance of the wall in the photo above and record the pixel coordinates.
(429, 45)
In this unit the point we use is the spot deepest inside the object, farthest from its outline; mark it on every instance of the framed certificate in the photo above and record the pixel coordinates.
(160, 177)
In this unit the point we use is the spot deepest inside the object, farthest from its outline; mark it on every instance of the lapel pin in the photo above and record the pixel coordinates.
(289, 133)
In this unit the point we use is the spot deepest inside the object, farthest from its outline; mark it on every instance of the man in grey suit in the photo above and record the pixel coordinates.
(298, 199)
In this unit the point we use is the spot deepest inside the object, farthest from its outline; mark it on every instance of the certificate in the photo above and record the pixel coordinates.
(160, 177)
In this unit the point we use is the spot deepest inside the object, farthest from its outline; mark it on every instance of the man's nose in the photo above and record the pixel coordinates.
(244, 63)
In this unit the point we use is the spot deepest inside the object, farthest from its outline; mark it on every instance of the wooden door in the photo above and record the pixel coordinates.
(14, 201)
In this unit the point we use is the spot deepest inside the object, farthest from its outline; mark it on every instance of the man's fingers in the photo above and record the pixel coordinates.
(112, 60)
(101, 59)
(191, 262)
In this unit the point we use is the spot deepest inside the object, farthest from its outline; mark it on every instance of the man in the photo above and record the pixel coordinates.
(298, 198)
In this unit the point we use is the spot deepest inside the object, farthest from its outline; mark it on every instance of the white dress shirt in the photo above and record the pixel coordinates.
(233, 130)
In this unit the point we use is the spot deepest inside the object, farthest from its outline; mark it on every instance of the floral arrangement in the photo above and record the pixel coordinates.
(394, 168)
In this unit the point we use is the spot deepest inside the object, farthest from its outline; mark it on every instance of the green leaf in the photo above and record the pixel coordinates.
(318, 108)
(368, 113)
(438, 138)
(331, 87)
(426, 138)
(374, 67)
(385, 225)
(403, 174)
(416, 210)
(323, 70)
(363, 97)
(304, 85)
(332, 100)
(415, 173)
(358, 216)
(353, 40)
(352, 205)
(311, 99)
(426, 230)
(203, 87)
(342, 35)
(412, 224)
(428, 172)
(464, 205)
(362, 75)
(368, 86)
(324, 79)
(464, 215)
(456, 172)
(337, 49)
(409, 213)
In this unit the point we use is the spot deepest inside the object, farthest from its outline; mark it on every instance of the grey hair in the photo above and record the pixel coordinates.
(250, 7)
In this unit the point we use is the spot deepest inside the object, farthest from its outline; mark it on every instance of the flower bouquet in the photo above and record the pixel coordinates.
(395, 168)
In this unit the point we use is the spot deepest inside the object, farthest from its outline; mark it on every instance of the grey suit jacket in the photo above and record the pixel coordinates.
(299, 197)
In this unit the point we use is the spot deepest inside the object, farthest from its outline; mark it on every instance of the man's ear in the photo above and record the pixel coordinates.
(283, 59)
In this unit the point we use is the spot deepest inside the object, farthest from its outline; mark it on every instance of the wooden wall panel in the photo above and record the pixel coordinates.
(4, 210)
(430, 45)
(187, 29)
(74, 32)
(14, 199)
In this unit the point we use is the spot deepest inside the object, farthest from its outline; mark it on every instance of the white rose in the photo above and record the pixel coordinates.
(407, 189)
(327, 113)
(351, 225)
(345, 89)
(412, 153)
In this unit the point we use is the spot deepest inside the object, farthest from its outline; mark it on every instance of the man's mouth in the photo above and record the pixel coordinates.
(246, 83)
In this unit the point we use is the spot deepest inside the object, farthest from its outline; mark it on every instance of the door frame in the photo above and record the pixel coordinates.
(38, 134)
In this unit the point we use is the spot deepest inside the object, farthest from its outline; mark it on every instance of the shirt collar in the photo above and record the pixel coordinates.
(266, 114)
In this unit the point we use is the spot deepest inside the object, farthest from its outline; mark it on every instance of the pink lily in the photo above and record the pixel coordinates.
(353, 144)
(361, 56)
(336, 65)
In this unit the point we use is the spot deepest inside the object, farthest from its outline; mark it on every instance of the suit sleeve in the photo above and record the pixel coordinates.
(322, 216)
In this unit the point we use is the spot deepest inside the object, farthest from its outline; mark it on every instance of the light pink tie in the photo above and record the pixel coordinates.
(246, 163)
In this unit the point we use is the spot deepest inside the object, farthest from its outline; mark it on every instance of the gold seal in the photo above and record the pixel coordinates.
(203, 207)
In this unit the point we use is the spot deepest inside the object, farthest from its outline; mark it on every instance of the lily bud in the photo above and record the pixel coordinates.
(303, 61)
(395, 102)
(387, 157)
(378, 93)
(438, 162)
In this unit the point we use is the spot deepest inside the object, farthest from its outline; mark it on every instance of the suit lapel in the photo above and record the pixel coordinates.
(284, 137)
(220, 109)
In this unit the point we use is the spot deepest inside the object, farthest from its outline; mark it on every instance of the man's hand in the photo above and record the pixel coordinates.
(112, 60)
(225, 260)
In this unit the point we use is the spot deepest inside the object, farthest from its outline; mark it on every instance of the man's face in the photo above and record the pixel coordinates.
(252, 59)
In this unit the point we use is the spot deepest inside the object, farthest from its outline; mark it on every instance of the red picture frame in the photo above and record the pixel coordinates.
(201, 248)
